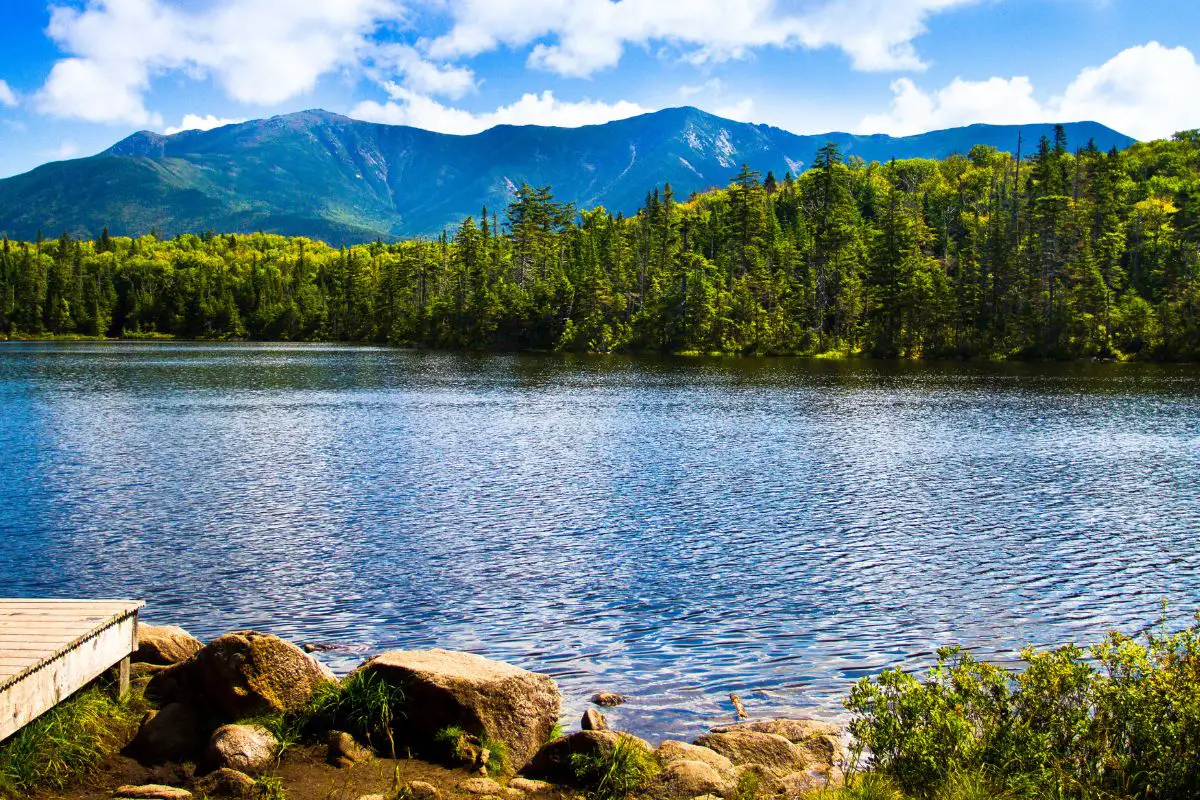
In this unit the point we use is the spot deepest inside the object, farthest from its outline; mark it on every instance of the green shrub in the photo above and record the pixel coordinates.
(68, 741)
(616, 775)
(747, 788)
(1120, 719)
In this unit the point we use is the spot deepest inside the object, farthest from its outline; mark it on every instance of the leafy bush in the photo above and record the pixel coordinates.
(616, 775)
(68, 741)
(1122, 718)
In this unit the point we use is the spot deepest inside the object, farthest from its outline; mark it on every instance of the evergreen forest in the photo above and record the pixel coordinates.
(1053, 253)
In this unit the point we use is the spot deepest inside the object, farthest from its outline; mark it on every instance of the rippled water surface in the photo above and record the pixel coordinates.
(675, 530)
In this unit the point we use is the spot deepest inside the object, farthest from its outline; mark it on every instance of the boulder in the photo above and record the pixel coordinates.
(163, 645)
(672, 750)
(226, 783)
(758, 780)
(173, 734)
(496, 702)
(608, 699)
(685, 779)
(553, 761)
(246, 674)
(152, 791)
(420, 790)
(343, 751)
(593, 720)
(820, 742)
(245, 748)
(768, 750)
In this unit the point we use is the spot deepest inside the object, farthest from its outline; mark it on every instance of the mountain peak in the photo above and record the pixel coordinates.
(324, 175)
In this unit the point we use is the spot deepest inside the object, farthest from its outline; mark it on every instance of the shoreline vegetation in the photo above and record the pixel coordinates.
(1055, 254)
(249, 715)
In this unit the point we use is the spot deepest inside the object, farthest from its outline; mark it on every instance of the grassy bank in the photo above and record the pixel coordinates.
(67, 743)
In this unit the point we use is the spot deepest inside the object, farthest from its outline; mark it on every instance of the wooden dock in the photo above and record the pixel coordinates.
(50, 649)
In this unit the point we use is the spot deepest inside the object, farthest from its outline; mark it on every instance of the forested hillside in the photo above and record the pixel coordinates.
(1061, 254)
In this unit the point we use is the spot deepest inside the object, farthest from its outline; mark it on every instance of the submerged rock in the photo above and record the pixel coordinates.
(495, 701)
(609, 699)
(163, 645)
(245, 748)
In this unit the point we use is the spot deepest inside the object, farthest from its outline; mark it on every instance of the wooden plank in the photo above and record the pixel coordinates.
(50, 649)
(37, 692)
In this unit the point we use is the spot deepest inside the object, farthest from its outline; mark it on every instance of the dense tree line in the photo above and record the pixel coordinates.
(1054, 254)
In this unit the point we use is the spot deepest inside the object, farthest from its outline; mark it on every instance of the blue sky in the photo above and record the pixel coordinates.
(78, 75)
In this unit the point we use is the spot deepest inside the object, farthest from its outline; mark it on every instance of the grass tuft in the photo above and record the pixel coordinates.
(618, 774)
(363, 705)
(67, 742)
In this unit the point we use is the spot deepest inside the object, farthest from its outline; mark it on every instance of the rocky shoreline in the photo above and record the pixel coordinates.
(227, 714)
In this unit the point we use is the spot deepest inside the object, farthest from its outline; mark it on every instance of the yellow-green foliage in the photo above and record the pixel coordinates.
(616, 774)
(67, 742)
(1121, 719)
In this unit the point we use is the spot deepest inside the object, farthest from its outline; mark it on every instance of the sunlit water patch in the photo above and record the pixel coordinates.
(674, 530)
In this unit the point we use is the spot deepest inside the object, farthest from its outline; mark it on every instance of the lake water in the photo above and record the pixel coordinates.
(674, 530)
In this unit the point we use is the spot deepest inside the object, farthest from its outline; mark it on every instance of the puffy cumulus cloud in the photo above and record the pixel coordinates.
(410, 108)
(195, 122)
(996, 100)
(7, 96)
(1146, 91)
(585, 36)
(259, 51)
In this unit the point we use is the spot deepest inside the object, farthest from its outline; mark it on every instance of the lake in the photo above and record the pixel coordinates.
(671, 529)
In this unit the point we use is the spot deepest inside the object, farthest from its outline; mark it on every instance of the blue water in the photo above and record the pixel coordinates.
(674, 530)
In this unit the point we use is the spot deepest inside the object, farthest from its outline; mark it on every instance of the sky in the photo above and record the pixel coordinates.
(78, 75)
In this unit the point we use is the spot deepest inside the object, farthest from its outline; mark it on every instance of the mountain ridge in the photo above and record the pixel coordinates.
(324, 175)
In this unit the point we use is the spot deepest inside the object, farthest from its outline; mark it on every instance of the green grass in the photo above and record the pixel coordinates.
(269, 787)
(618, 774)
(363, 705)
(67, 742)
(747, 788)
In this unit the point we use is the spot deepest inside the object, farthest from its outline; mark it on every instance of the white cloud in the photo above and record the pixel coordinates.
(65, 150)
(265, 52)
(7, 96)
(1148, 92)
(710, 88)
(195, 122)
(590, 35)
(411, 108)
(741, 110)
(420, 75)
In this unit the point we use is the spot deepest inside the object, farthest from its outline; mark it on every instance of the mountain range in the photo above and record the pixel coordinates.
(326, 176)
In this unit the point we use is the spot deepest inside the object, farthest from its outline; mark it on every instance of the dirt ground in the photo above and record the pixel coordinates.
(305, 775)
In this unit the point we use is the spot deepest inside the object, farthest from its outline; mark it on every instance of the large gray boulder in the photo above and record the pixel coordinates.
(163, 645)
(226, 783)
(250, 749)
(686, 779)
(494, 701)
(671, 750)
